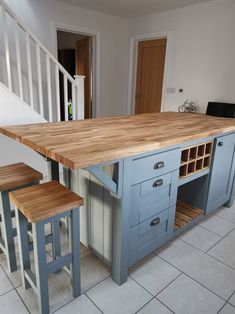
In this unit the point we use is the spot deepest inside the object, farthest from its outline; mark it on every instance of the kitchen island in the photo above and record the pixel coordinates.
(164, 172)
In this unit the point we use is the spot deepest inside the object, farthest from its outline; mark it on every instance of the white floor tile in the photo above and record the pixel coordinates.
(227, 213)
(59, 293)
(155, 307)
(81, 305)
(5, 284)
(12, 304)
(93, 270)
(186, 296)
(217, 225)
(111, 298)
(225, 250)
(212, 274)
(227, 309)
(200, 238)
(15, 277)
(232, 299)
(154, 274)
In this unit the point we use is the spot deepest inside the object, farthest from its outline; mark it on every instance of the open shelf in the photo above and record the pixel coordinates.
(185, 214)
(195, 159)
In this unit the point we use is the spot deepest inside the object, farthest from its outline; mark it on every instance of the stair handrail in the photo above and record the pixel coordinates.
(76, 88)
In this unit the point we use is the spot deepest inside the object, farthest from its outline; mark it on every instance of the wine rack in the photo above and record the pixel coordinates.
(195, 159)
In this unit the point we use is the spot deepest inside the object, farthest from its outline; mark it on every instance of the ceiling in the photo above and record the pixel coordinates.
(132, 8)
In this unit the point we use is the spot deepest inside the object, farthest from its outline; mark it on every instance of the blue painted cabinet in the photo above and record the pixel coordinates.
(153, 193)
(222, 172)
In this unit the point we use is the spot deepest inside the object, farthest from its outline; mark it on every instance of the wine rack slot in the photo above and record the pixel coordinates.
(195, 158)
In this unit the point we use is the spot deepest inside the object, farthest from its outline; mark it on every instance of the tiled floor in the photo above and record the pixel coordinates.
(193, 274)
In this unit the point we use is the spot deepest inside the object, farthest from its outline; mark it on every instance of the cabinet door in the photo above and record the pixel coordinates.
(221, 174)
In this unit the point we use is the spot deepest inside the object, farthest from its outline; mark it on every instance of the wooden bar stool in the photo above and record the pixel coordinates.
(42, 204)
(12, 177)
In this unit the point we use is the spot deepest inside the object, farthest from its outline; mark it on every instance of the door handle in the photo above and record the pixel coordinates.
(220, 144)
(155, 222)
(157, 183)
(159, 165)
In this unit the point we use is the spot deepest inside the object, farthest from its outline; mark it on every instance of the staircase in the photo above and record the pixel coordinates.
(33, 75)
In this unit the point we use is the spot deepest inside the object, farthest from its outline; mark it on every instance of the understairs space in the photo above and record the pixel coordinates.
(194, 273)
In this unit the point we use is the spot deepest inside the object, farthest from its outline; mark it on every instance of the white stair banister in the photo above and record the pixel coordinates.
(66, 114)
(80, 79)
(57, 86)
(18, 59)
(7, 50)
(42, 88)
(48, 69)
(29, 65)
(39, 70)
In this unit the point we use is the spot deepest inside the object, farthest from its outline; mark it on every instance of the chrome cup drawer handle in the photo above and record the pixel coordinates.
(159, 165)
(155, 222)
(157, 183)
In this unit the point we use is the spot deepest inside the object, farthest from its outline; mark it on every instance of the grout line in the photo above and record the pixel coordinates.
(94, 303)
(165, 305)
(220, 240)
(97, 283)
(195, 247)
(169, 284)
(224, 218)
(224, 306)
(7, 276)
(144, 305)
(22, 301)
(4, 293)
(218, 260)
(141, 286)
(206, 253)
(215, 232)
(194, 280)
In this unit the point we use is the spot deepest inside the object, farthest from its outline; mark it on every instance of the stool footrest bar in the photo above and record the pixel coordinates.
(59, 263)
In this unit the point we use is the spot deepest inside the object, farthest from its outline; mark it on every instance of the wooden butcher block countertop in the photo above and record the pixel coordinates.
(79, 144)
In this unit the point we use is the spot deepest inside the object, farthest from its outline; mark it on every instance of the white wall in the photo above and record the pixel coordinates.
(41, 16)
(202, 54)
(12, 112)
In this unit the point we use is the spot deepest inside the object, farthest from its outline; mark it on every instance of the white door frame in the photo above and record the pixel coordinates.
(96, 44)
(134, 40)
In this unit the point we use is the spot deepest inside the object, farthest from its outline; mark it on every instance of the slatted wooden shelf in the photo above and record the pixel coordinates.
(185, 213)
(195, 159)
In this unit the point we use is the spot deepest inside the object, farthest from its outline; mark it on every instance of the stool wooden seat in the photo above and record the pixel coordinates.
(42, 204)
(45, 200)
(13, 177)
(17, 175)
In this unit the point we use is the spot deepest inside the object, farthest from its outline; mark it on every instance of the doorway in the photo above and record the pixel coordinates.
(75, 53)
(150, 75)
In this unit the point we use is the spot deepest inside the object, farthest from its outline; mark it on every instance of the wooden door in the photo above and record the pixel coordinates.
(150, 72)
(84, 67)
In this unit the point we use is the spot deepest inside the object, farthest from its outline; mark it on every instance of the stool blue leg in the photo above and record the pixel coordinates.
(40, 266)
(23, 240)
(56, 250)
(8, 235)
(75, 249)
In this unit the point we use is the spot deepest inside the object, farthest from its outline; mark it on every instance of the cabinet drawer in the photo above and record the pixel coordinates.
(151, 197)
(154, 165)
(152, 228)
(147, 236)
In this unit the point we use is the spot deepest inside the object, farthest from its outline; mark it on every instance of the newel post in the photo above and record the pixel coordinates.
(79, 79)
